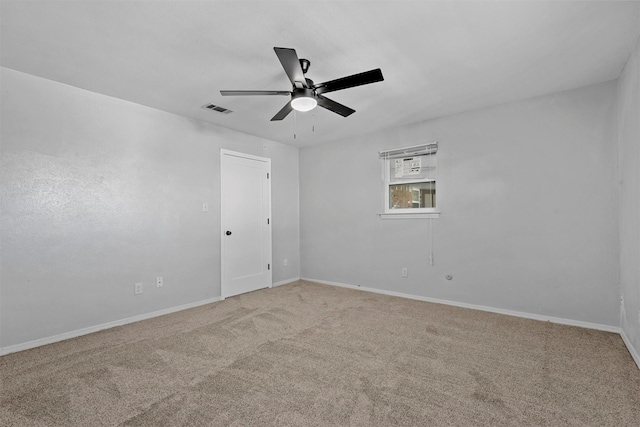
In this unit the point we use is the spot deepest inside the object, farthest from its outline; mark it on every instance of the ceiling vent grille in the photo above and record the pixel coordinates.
(217, 108)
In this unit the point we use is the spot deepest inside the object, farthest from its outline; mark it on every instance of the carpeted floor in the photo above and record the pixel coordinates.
(306, 354)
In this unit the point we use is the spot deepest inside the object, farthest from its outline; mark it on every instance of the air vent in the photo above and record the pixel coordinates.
(217, 108)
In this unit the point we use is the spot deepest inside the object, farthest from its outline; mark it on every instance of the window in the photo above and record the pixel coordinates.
(410, 180)
(412, 196)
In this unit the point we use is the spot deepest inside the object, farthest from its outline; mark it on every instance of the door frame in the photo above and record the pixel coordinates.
(224, 152)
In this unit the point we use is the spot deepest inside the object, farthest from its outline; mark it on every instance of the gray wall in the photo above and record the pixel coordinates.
(99, 193)
(528, 196)
(629, 137)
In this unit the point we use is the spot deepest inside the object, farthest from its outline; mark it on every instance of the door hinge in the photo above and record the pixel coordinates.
(267, 175)
(268, 266)
(267, 221)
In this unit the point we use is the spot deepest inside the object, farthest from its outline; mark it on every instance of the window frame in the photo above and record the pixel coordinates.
(408, 213)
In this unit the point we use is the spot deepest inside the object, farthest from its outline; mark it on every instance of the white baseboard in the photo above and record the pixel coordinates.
(525, 315)
(92, 329)
(286, 281)
(634, 353)
(79, 332)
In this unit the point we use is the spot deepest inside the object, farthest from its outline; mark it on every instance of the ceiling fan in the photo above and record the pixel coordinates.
(305, 95)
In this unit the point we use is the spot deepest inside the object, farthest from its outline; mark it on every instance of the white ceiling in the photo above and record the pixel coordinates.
(437, 57)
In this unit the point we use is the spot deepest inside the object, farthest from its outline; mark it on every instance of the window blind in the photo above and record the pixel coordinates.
(415, 150)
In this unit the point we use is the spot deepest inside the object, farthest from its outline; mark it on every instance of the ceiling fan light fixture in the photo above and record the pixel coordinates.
(303, 100)
(304, 103)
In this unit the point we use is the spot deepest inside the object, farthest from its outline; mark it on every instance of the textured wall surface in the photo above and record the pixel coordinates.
(528, 197)
(629, 137)
(99, 193)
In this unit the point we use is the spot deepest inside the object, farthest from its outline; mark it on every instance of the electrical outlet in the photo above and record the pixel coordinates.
(159, 282)
(405, 272)
(286, 262)
(137, 290)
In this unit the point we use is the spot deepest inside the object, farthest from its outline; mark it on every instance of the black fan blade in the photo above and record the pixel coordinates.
(334, 106)
(283, 113)
(291, 64)
(350, 81)
(253, 92)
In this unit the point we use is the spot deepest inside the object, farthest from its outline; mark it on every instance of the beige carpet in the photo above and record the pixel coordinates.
(306, 354)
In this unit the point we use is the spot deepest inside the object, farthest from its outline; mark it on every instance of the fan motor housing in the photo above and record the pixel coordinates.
(302, 93)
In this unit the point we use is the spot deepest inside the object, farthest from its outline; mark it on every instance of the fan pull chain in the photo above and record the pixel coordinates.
(313, 123)
(431, 260)
(295, 124)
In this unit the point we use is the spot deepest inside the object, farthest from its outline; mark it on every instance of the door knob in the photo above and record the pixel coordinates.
(228, 233)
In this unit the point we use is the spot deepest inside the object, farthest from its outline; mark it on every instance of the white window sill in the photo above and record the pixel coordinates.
(398, 215)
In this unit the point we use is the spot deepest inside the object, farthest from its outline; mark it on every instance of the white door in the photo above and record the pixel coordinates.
(246, 222)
